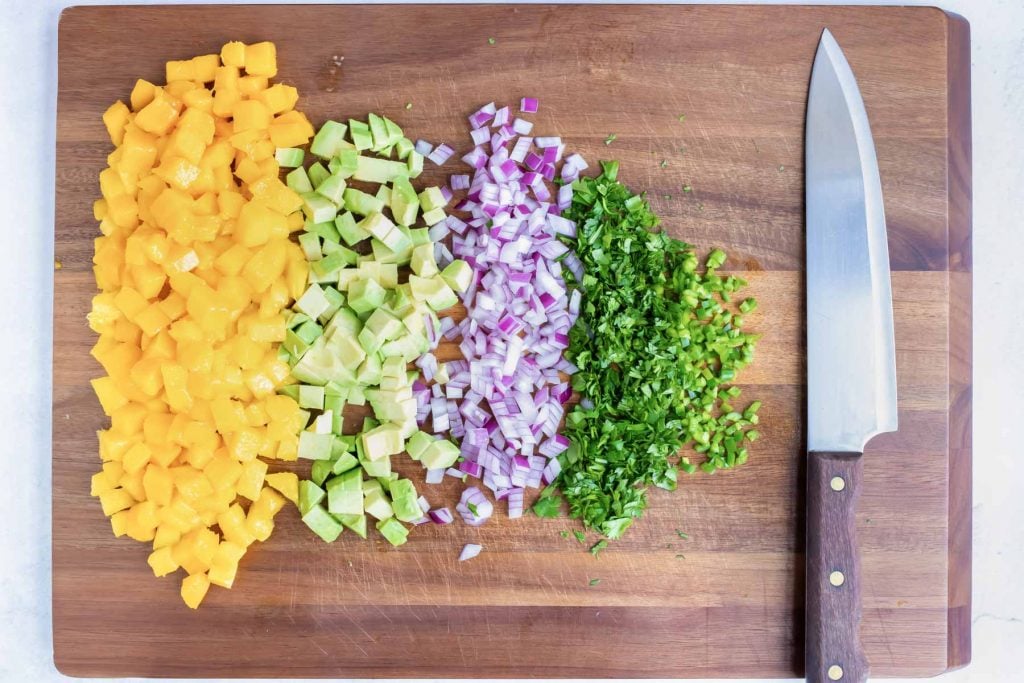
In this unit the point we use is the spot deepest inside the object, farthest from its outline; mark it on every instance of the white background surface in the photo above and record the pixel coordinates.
(28, 58)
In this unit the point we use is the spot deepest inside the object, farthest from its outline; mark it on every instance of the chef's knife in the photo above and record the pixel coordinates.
(851, 359)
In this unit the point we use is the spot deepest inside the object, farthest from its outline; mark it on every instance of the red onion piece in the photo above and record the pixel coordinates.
(470, 551)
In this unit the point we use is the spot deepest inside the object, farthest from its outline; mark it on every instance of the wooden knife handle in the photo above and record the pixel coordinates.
(833, 650)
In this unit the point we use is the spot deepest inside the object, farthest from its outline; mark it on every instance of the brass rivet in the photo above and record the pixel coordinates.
(838, 484)
(835, 672)
(836, 578)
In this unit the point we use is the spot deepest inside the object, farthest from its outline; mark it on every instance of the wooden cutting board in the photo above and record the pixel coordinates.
(725, 602)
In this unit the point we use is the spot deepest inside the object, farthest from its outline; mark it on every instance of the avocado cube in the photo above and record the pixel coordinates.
(361, 203)
(309, 331)
(406, 508)
(323, 424)
(337, 300)
(434, 216)
(289, 390)
(382, 441)
(319, 471)
(415, 163)
(431, 198)
(402, 488)
(346, 162)
(311, 397)
(420, 236)
(458, 275)
(309, 495)
(376, 468)
(371, 486)
(379, 132)
(345, 493)
(360, 134)
(334, 390)
(393, 530)
(310, 245)
(368, 374)
(346, 349)
(377, 505)
(386, 274)
(313, 302)
(404, 203)
(418, 443)
(355, 394)
(348, 229)
(393, 367)
(396, 240)
(402, 147)
(365, 295)
(333, 188)
(376, 170)
(326, 142)
(323, 523)
(313, 446)
(394, 131)
(377, 225)
(422, 262)
(293, 344)
(298, 180)
(344, 463)
(384, 194)
(327, 231)
(383, 324)
(318, 208)
(441, 376)
(319, 366)
(356, 523)
(440, 453)
(344, 319)
(318, 173)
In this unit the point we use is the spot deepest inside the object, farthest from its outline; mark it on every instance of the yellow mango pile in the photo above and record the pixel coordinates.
(196, 271)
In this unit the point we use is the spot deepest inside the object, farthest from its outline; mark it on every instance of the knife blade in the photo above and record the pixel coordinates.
(851, 359)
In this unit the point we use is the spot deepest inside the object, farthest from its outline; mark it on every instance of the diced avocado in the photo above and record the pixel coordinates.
(383, 254)
(420, 236)
(422, 262)
(393, 530)
(346, 162)
(408, 347)
(348, 257)
(415, 163)
(404, 202)
(326, 141)
(318, 173)
(413, 321)
(433, 217)
(361, 203)
(349, 231)
(360, 134)
(333, 188)
(327, 268)
(376, 224)
(323, 424)
(365, 295)
(337, 300)
(319, 471)
(377, 505)
(379, 132)
(379, 327)
(325, 230)
(394, 131)
(289, 157)
(397, 410)
(368, 374)
(296, 319)
(290, 390)
(345, 493)
(441, 376)
(382, 441)
(323, 523)
(346, 349)
(319, 366)
(355, 394)
(309, 331)
(311, 397)
(345, 319)
(293, 344)
(393, 367)
(402, 488)
(418, 443)
(376, 468)
(298, 180)
(309, 495)
(318, 208)
(397, 241)
(310, 245)
(458, 275)
(356, 523)
(440, 453)
(406, 508)
(371, 486)
(344, 463)
(313, 302)
(314, 446)
(440, 296)
(431, 198)
(386, 274)
(333, 389)
(376, 170)
(402, 147)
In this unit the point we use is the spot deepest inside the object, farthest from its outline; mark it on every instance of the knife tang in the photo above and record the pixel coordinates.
(833, 603)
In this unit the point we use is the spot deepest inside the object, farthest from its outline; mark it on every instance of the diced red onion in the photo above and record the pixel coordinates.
(441, 516)
(441, 154)
(528, 105)
(469, 551)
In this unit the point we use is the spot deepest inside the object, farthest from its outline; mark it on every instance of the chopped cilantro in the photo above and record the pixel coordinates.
(580, 536)
(657, 350)
(664, 163)
(687, 189)
(563, 533)
(610, 139)
(408, 105)
(594, 582)
(598, 547)
(473, 509)
(682, 118)
(682, 535)
(491, 41)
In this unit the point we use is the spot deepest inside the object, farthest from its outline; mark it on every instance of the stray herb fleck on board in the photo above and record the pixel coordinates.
(610, 139)
(491, 41)
(598, 547)
(594, 582)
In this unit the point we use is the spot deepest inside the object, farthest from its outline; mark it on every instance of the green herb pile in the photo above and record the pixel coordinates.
(656, 349)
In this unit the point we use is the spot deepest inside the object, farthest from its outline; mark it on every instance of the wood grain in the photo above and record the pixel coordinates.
(729, 600)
